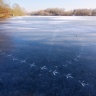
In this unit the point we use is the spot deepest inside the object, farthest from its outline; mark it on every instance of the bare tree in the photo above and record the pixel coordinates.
(17, 10)
(4, 9)
(94, 12)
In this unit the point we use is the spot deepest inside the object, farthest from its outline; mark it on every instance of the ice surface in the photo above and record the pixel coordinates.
(48, 55)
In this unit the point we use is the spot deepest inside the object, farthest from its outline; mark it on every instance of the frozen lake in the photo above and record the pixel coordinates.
(48, 56)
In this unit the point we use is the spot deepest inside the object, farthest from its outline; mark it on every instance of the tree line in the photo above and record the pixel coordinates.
(62, 12)
(7, 11)
(17, 10)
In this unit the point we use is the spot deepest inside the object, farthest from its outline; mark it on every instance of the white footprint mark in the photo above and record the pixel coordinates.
(69, 76)
(23, 61)
(44, 67)
(76, 59)
(70, 62)
(14, 59)
(32, 65)
(65, 65)
(79, 56)
(55, 72)
(3, 53)
(9, 55)
(83, 83)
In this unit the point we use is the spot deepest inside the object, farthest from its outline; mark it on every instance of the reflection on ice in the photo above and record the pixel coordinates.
(18, 17)
(73, 18)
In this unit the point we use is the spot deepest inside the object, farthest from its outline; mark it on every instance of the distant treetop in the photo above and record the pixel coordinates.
(62, 12)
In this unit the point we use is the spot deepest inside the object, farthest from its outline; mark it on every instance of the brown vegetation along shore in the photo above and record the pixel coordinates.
(6, 11)
(62, 12)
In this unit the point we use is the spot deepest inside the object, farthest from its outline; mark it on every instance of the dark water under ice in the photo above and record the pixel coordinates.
(48, 56)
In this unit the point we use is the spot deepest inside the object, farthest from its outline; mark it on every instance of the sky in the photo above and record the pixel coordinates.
(34, 5)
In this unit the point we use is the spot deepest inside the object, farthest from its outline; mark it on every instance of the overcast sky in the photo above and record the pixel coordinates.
(33, 5)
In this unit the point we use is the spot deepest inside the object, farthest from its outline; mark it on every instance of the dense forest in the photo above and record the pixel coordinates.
(7, 11)
(62, 12)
